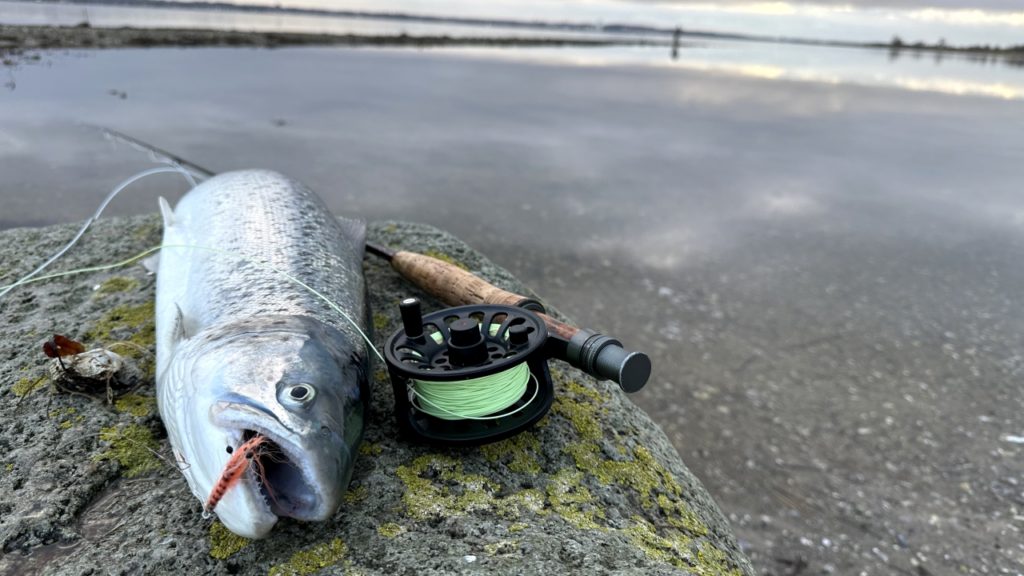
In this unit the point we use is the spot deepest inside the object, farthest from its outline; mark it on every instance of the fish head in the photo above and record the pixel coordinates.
(295, 382)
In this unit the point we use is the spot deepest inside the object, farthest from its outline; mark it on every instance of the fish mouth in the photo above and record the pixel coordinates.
(282, 472)
(280, 480)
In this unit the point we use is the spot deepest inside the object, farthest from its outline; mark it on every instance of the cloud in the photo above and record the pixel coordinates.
(995, 6)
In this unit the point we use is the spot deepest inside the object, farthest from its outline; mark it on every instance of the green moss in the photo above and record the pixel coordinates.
(582, 407)
(577, 390)
(224, 543)
(660, 495)
(657, 487)
(381, 323)
(148, 231)
(445, 258)
(572, 501)
(67, 417)
(502, 547)
(67, 424)
(447, 492)
(518, 527)
(132, 325)
(132, 447)
(312, 560)
(9, 467)
(518, 451)
(513, 505)
(713, 562)
(679, 550)
(117, 284)
(679, 514)
(131, 322)
(355, 495)
(390, 529)
(644, 536)
(136, 404)
(26, 386)
(370, 449)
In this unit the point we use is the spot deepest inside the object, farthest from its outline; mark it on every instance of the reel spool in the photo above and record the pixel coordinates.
(457, 373)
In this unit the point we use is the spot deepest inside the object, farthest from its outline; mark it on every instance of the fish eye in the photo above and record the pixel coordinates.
(299, 394)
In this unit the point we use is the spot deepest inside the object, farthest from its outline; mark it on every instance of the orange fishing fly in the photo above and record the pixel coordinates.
(247, 454)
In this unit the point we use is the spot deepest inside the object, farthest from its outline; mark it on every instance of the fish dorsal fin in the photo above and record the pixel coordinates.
(179, 333)
(167, 212)
(356, 230)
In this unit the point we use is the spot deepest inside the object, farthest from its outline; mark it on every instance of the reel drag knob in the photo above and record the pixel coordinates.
(466, 346)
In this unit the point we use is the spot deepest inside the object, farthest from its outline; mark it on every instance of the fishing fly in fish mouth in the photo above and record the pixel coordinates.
(261, 385)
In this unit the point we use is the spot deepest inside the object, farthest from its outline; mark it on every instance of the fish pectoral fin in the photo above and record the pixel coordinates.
(151, 263)
(179, 333)
(167, 212)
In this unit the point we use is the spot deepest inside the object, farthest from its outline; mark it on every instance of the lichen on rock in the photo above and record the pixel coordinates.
(312, 560)
(131, 446)
(224, 543)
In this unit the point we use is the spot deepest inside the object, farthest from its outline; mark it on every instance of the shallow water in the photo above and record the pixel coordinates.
(826, 272)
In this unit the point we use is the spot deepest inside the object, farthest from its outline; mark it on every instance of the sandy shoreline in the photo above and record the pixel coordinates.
(23, 40)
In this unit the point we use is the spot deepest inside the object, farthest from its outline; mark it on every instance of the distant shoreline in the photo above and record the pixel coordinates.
(896, 44)
(21, 41)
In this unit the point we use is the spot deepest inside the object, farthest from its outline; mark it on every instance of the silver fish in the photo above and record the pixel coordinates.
(241, 350)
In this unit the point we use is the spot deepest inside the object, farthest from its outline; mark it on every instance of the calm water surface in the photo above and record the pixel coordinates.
(826, 267)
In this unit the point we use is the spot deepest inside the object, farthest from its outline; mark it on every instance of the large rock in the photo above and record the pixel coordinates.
(86, 485)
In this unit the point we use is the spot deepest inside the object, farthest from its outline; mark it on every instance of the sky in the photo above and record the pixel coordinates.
(959, 22)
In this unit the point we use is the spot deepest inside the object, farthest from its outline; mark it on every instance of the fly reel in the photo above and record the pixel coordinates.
(468, 375)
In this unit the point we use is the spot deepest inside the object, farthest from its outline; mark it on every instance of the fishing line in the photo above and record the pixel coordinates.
(103, 205)
(294, 280)
(253, 261)
(474, 398)
(175, 167)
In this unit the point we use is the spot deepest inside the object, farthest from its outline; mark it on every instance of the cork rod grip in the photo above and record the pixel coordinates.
(449, 283)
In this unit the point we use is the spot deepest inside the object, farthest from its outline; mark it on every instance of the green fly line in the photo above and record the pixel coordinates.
(474, 398)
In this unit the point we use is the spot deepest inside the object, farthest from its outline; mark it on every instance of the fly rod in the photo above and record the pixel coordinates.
(600, 356)
(596, 354)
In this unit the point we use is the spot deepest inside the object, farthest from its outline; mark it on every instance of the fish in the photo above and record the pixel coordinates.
(242, 351)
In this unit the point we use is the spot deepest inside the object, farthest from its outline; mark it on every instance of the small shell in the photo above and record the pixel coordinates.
(98, 364)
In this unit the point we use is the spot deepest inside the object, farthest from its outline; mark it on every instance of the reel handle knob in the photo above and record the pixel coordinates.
(412, 317)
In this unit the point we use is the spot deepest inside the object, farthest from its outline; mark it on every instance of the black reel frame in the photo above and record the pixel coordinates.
(467, 349)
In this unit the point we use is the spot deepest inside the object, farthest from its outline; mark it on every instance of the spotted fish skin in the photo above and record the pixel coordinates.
(242, 349)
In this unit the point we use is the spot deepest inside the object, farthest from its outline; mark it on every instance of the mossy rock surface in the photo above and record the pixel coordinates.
(594, 488)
